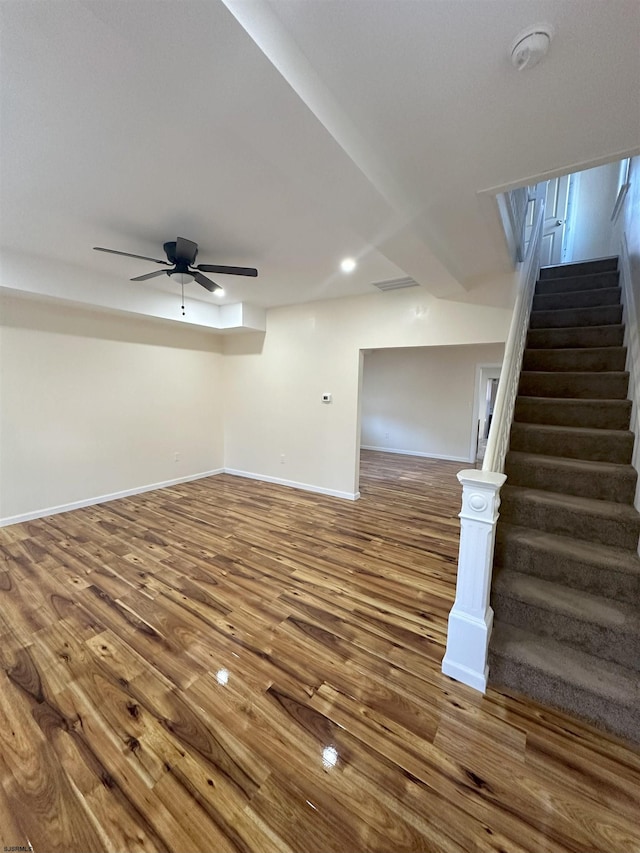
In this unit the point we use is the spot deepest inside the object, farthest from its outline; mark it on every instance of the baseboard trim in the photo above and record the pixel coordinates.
(55, 510)
(465, 459)
(306, 487)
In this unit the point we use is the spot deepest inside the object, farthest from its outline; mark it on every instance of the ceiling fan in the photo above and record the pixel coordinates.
(181, 256)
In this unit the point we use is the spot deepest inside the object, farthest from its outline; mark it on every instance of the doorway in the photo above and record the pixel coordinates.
(425, 401)
(487, 378)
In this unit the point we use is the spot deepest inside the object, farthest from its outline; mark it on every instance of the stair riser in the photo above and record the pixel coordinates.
(616, 645)
(561, 568)
(584, 413)
(577, 299)
(578, 360)
(620, 488)
(580, 386)
(566, 521)
(553, 691)
(570, 284)
(576, 317)
(618, 448)
(592, 336)
(581, 268)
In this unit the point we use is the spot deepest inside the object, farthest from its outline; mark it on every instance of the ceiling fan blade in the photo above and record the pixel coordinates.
(129, 255)
(150, 275)
(205, 282)
(186, 250)
(228, 270)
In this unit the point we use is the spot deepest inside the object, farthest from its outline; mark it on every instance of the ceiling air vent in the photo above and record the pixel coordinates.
(395, 283)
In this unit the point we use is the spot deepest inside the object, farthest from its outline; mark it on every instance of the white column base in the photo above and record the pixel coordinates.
(471, 617)
(467, 649)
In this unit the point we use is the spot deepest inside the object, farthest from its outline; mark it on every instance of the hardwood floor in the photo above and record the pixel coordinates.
(229, 665)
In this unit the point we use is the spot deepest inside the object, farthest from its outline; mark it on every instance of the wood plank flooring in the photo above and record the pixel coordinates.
(229, 665)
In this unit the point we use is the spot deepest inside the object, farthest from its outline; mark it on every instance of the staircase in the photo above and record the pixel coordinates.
(566, 588)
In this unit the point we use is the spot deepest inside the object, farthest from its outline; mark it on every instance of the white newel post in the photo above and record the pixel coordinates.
(471, 616)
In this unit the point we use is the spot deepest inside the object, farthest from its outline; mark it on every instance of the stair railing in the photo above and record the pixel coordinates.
(513, 206)
(471, 617)
(498, 441)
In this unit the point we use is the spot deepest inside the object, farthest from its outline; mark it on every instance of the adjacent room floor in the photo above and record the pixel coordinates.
(229, 665)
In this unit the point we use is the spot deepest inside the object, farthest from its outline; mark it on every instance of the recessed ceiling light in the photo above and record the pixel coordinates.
(220, 291)
(348, 265)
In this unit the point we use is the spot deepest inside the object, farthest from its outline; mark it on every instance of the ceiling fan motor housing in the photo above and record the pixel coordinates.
(170, 252)
(180, 266)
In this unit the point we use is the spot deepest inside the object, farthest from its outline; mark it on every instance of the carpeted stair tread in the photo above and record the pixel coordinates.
(597, 445)
(572, 317)
(556, 674)
(594, 298)
(596, 625)
(605, 481)
(569, 515)
(579, 268)
(566, 284)
(576, 603)
(572, 412)
(600, 569)
(578, 360)
(594, 385)
(607, 335)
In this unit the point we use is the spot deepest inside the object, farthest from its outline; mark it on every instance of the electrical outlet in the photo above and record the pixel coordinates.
(176, 457)
(282, 458)
(386, 435)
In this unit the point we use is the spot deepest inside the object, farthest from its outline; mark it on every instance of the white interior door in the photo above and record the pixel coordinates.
(555, 218)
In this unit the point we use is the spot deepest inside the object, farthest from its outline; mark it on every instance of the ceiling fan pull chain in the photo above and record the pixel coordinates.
(182, 285)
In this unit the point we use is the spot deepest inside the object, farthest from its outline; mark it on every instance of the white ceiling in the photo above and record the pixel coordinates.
(288, 134)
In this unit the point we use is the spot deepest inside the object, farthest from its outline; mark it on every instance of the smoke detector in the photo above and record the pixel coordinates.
(530, 46)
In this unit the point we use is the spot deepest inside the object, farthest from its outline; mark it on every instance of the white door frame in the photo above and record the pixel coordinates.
(484, 372)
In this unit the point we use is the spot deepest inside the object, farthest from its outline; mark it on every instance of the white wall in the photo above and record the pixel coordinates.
(420, 399)
(273, 383)
(596, 194)
(96, 403)
(626, 241)
(627, 228)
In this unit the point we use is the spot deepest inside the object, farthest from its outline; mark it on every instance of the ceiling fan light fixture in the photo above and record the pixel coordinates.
(181, 277)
